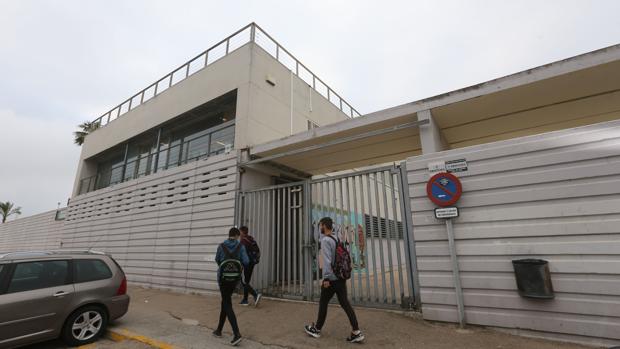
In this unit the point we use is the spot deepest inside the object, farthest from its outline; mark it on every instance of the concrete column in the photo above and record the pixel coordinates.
(430, 134)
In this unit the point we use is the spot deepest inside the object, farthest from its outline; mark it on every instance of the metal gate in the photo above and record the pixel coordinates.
(371, 216)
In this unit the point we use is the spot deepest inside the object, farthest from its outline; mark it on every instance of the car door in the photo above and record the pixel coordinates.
(35, 300)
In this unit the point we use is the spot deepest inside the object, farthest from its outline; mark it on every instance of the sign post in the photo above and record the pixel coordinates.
(444, 190)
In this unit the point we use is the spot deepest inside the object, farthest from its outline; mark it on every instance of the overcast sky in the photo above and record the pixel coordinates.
(64, 62)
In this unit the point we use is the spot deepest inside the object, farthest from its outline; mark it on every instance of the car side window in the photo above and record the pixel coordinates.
(91, 270)
(30, 276)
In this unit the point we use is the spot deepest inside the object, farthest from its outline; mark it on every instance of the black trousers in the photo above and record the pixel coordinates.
(340, 289)
(247, 278)
(226, 311)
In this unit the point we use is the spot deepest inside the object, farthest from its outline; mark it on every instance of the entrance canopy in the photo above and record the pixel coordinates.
(574, 92)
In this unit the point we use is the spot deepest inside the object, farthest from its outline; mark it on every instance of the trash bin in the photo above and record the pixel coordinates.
(533, 278)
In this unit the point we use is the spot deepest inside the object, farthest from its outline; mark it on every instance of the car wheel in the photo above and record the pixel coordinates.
(84, 326)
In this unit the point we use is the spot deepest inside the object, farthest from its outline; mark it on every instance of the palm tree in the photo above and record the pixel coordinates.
(8, 208)
(85, 129)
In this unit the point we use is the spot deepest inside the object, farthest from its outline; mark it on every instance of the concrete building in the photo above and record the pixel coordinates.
(245, 134)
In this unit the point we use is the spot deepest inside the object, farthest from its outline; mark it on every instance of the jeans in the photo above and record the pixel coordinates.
(226, 290)
(340, 289)
(247, 277)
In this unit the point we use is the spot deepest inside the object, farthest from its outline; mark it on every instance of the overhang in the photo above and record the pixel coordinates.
(573, 92)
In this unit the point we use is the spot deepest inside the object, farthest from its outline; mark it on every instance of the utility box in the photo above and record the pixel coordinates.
(533, 278)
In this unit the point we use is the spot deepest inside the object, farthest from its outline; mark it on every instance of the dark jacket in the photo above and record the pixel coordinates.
(231, 244)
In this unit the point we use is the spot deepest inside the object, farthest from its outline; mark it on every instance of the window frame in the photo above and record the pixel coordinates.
(4, 273)
(9, 276)
(74, 270)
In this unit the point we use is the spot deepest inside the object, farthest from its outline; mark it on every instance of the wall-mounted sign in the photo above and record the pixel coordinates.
(444, 189)
(446, 212)
(459, 165)
(434, 167)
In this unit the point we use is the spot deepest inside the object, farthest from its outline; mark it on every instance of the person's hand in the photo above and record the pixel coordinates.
(326, 284)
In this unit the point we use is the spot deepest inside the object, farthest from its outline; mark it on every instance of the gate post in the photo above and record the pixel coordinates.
(412, 262)
(307, 246)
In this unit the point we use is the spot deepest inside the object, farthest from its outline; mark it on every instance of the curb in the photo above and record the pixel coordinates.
(121, 334)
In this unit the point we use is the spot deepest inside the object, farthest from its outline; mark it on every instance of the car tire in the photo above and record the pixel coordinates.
(85, 325)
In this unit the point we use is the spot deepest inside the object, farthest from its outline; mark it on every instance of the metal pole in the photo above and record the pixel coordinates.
(455, 274)
(307, 253)
(372, 240)
(379, 233)
(388, 234)
(397, 238)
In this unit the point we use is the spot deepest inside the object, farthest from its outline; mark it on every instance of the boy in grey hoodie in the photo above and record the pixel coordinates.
(332, 285)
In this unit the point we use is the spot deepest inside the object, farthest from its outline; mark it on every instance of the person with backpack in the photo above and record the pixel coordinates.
(336, 272)
(231, 257)
(254, 254)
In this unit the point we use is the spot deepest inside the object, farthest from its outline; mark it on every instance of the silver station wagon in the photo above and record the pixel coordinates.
(49, 294)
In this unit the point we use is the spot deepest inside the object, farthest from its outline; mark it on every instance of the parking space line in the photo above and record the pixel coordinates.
(120, 334)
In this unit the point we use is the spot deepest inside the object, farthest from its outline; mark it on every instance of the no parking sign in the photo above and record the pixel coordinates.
(444, 189)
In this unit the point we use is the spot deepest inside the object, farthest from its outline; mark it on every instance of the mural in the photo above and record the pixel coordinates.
(348, 230)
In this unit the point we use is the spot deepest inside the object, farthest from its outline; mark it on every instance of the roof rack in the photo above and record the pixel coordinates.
(48, 253)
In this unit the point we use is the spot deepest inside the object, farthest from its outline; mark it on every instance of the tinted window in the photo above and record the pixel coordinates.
(91, 270)
(36, 275)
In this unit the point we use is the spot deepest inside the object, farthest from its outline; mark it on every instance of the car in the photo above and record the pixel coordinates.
(59, 293)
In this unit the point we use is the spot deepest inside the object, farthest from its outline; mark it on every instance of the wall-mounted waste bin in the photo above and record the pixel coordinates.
(533, 278)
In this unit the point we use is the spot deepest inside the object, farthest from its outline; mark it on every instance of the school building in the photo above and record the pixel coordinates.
(246, 134)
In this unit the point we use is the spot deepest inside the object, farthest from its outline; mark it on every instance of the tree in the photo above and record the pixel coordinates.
(85, 129)
(8, 208)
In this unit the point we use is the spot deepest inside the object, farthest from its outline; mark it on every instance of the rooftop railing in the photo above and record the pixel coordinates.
(250, 33)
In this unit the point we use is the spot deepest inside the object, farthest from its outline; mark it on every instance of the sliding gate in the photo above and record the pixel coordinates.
(370, 212)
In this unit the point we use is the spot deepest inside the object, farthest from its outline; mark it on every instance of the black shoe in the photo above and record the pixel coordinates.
(217, 334)
(236, 340)
(356, 338)
(312, 331)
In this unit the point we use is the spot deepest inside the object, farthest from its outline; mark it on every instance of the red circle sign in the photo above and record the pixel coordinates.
(444, 189)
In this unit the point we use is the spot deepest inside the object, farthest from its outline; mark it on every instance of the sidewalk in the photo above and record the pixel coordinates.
(174, 320)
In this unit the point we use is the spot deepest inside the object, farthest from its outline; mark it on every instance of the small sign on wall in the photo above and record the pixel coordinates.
(459, 165)
(436, 167)
(446, 212)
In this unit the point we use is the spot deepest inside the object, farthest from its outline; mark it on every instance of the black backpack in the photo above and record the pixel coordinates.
(231, 268)
(253, 250)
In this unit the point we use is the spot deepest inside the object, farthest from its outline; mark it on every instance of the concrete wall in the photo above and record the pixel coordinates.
(553, 196)
(38, 232)
(163, 229)
(269, 108)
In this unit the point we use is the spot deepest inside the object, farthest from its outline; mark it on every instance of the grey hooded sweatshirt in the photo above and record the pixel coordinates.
(328, 251)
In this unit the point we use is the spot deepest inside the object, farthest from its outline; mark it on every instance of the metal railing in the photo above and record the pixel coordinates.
(163, 159)
(250, 33)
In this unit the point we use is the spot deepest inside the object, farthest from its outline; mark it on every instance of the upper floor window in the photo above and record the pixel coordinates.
(201, 132)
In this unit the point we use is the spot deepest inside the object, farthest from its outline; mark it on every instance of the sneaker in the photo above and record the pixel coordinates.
(312, 331)
(217, 334)
(236, 340)
(244, 303)
(257, 299)
(356, 338)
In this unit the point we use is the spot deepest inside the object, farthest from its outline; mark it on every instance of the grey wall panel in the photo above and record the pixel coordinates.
(164, 228)
(553, 196)
(38, 232)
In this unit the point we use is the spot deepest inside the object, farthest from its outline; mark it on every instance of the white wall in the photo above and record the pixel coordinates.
(163, 229)
(38, 232)
(553, 196)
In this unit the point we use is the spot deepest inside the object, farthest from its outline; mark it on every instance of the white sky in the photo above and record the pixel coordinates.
(64, 62)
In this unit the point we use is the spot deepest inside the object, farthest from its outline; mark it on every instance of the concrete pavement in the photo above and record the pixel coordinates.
(186, 321)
